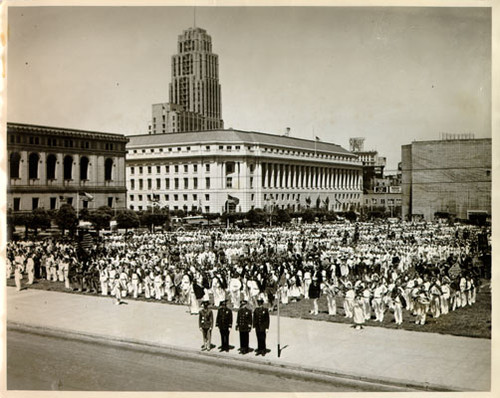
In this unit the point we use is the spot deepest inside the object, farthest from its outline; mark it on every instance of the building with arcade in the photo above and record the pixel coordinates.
(49, 166)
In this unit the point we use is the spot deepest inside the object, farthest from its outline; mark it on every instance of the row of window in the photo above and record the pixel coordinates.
(51, 167)
(185, 208)
(63, 142)
(176, 183)
(166, 197)
(35, 202)
(229, 148)
(293, 196)
(140, 169)
(390, 202)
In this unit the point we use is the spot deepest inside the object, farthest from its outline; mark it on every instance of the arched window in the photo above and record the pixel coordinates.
(51, 167)
(33, 165)
(108, 169)
(68, 167)
(84, 168)
(15, 160)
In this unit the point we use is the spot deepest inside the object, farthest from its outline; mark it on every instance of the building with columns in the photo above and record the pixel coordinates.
(194, 91)
(233, 170)
(49, 166)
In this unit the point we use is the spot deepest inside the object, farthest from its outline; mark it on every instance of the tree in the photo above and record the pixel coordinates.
(308, 215)
(66, 218)
(308, 202)
(282, 216)
(256, 217)
(149, 218)
(39, 219)
(23, 219)
(107, 210)
(127, 219)
(100, 218)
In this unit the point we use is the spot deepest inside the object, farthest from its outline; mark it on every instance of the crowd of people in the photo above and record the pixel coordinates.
(363, 269)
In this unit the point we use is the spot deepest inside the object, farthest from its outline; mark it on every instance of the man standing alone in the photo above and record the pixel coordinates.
(261, 325)
(224, 322)
(244, 325)
(206, 323)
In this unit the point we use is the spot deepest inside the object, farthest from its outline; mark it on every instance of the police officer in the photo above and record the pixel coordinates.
(244, 326)
(224, 322)
(261, 325)
(206, 324)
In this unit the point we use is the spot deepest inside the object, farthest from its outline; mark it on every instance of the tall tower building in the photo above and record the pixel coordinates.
(194, 93)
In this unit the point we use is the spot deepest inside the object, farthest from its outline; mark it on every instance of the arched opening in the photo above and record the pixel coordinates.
(15, 160)
(33, 165)
(84, 168)
(108, 169)
(51, 167)
(68, 167)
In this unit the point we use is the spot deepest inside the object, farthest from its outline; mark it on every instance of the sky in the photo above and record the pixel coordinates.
(390, 74)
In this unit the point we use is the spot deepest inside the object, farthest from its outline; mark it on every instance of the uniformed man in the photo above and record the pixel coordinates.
(206, 323)
(224, 322)
(244, 326)
(261, 325)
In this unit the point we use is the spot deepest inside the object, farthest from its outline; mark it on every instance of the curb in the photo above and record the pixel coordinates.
(248, 363)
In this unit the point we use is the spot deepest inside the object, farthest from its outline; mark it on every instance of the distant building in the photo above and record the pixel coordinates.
(194, 92)
(448, 177)
(49, 166)
(230, 170)
(380, 193)
(373, 164)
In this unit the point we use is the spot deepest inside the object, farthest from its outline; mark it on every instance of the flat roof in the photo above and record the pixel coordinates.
(234, 136)
(61, 130)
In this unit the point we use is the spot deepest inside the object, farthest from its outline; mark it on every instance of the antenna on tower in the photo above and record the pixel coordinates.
(194, 17)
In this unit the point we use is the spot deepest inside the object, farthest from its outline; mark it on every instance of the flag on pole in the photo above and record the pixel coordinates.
(233, 199)
(86, 196)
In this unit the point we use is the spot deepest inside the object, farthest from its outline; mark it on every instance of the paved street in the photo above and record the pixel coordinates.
(396, 356)
(49, 363)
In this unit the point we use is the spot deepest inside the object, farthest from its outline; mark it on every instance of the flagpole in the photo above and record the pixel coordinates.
(279, 348)
(315, 141)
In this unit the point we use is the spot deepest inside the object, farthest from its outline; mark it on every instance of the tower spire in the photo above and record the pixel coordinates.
(194, 17)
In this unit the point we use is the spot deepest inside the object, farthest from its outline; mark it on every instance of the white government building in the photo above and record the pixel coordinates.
(232, 170)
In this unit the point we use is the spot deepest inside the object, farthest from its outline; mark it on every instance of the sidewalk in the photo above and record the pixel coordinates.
(393, 356)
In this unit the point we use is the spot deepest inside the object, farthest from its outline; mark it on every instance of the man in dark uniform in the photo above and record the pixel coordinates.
(261, 325)
(224, 322)
(244, 326)
(206, 323)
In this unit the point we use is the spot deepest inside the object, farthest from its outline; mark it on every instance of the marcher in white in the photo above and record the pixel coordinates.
(349, 300)
(18, 275)
(30, 269)
(104, 279)
(235, 291)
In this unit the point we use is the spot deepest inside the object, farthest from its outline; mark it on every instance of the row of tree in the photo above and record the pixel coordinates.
(66, 218)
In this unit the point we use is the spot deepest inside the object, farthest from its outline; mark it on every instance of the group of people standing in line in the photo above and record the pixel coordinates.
(246, 319)
(364, 267)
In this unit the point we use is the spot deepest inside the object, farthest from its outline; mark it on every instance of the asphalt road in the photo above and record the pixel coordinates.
(36, 362)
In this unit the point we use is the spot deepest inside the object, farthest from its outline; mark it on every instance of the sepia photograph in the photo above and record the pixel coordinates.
(260, 199)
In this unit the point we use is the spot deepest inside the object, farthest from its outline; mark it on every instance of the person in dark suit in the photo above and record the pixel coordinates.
(261, 325)
(224, 322)
(206, 323)
(244, 326)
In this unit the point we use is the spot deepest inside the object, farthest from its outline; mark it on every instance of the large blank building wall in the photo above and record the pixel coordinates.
(447, 176)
